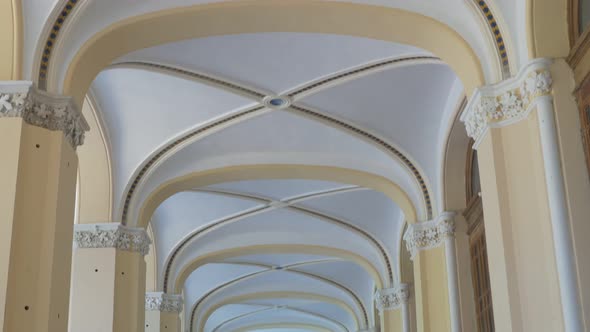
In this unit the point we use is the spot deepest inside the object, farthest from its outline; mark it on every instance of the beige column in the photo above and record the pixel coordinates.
(432, 248)
(528, 233)
(38, 137)
(162, 312)
(393, 306)
(108, 278)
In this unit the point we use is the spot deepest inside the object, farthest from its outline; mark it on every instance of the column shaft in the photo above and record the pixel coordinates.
(37, 195)
(453, 286)
(108, 279)
(562, 238)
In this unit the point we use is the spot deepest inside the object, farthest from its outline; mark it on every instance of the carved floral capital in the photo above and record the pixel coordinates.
(163, 302)
(392, 298)
(111, 236)
(429, 234)
(38, 108)
(508, 101)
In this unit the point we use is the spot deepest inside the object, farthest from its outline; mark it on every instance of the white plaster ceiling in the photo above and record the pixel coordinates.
(144, 109)
(201, 102)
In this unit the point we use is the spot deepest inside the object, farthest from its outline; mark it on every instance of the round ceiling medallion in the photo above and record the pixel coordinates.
(277, 102)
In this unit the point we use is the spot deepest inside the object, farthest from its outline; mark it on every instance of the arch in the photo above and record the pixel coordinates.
(547, 28)
(270, 295)
(306, 16)
(274, 171)
(258, 327)
(276, 249)
(11, 35)
(292, 269)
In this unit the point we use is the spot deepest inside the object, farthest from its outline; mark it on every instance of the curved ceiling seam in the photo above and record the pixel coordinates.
(272, 295)
(382, 143)
(269, 207)
(269, 269)
(292, 268)
(179, 142)
(290, 309)
(373, 139)
(319, 315)
(233, 217)
(240, 317)
(283, 325)
(274, 325)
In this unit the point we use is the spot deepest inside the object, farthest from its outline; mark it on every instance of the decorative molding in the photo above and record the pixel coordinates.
(496, 35)
(429, 234)
(38, 108)
(507, 102)
(163, 302)
(392, 298)
(112, 235)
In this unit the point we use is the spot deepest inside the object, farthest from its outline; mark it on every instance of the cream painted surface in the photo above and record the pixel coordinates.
(93, 286)
(465, 282)
(391, 320)
(8, 30)
(431, 291)
(265, 16)
(577, 183)
(548, 28)
(11, 130)
(35, 277)
(108, 291)
(156, 321)
(407, 277)
(95, 172)
(523, 274)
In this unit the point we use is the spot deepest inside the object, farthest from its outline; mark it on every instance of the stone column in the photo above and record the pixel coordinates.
(527, 218)
(162, 312)
(39, 134)
(393, 306)
(429, 236)
(108, 278)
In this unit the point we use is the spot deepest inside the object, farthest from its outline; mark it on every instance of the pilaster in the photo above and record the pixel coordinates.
(393, 306)
(38, 136)
(529, 241)
(108, 278)
(162, 312)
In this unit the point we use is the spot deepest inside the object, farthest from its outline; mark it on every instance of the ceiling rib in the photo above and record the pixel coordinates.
(288, 268)
(271, 309)
(256, 96)
(272, 205)
(292, 268)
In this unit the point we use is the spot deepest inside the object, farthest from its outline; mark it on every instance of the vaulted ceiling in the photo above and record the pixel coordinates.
(331, 120)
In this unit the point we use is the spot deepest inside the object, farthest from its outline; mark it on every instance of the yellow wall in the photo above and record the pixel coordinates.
(432, 300)
(518, 230)
(391, 320)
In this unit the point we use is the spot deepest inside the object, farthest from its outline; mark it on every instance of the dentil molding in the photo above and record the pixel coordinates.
(507, 102)
(112, 235)
(38, 108)
(392, 298)
(163, 302)
(429, 234)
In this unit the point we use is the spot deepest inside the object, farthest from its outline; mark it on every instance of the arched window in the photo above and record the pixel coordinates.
(480, 275)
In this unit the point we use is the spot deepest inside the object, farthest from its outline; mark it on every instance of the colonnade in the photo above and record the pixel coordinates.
(522, 131)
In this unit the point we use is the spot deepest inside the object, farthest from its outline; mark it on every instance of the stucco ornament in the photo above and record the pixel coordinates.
(429, 234)
(163, 302)
(43, 110)
(111, 236)
(392, 298)
(508, 101)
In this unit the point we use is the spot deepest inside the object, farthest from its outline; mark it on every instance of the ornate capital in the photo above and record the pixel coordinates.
(111, 235)
(163, 302)
(429, 234)
(507, 102)
(392, 298)
(38, 108)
